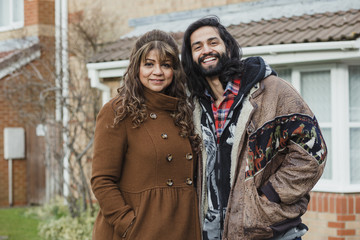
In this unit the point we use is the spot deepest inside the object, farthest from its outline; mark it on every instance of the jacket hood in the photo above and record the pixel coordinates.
(255, 70)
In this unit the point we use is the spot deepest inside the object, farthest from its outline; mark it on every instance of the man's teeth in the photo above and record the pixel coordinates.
(208, 59)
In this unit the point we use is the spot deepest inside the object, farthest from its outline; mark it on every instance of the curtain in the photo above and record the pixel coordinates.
(316, 91)
(354, 114)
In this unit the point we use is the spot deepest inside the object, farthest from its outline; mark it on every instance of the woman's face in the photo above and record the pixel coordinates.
(154, 74)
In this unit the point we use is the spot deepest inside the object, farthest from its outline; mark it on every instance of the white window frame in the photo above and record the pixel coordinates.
(340, 125)
(13, 24)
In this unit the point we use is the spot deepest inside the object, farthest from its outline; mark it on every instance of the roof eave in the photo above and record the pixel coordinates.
(19, 60)
(305, 52)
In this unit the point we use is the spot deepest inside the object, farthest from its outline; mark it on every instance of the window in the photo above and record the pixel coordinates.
(284, 74)
(333, 93)
(354, 123)
(11, 14)
(315, 87)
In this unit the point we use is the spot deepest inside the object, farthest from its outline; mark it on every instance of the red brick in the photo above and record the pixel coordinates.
(346, 232)
(346, 217)
(351, 204)
(332, 203)
(336, 238)
(336, 224)
(341, 205)
(322, 206)
(313, 202)
(357, 208)
(326, 202)
(39, 12)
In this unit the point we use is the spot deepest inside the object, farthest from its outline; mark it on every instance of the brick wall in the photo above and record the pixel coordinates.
(332, 216)
(39, 12)
(8, 119)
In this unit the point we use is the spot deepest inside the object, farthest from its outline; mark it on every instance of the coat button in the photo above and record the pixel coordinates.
(188, 156)
(189, 181)
(153, 116)
(169, 182)
(169, 157)
(164, 135)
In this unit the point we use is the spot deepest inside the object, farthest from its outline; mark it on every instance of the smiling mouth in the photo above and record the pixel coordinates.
(156, 81)
(210, 59)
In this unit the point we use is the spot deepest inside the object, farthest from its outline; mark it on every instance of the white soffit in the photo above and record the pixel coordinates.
(305, 52)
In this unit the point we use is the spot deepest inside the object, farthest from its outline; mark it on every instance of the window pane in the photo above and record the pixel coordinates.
(315, 89)
(18, 10)
(284, 74)
(327, 174)
(354, 89)
(354, 155)
(4, 13)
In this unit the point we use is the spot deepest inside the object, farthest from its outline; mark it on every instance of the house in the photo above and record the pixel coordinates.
(25, 25)
(35, 42)
(315, 45)
(35, 90)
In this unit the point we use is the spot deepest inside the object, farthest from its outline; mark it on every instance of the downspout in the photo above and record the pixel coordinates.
(65, 94)
(50, 183)
(62, 83)
(58, 58)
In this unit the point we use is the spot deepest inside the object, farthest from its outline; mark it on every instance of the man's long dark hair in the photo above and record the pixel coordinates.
(233, 66)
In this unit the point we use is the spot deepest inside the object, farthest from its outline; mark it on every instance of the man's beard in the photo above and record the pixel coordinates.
(216, 70)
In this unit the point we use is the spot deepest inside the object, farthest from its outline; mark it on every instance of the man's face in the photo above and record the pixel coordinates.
(208, 50)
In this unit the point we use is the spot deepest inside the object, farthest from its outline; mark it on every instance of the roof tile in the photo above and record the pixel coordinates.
(329, 26)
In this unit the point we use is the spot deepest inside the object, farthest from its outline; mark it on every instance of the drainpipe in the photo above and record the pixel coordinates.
(51, 185)
(58, 58)
(62, 83)
(65, 93)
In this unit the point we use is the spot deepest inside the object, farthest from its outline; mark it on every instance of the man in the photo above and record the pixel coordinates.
(263, 149)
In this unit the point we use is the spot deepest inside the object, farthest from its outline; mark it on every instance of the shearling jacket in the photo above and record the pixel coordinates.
(143, 177)
(277, 150)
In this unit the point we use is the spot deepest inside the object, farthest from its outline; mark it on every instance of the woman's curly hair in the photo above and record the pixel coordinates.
(130, 99)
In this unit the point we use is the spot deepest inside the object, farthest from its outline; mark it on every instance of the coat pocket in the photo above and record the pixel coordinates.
(260, 213)
(128, 231)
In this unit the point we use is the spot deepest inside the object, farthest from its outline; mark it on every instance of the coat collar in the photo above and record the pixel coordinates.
(160, 101)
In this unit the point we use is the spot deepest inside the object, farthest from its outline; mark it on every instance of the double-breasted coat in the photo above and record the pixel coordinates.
(143, 177)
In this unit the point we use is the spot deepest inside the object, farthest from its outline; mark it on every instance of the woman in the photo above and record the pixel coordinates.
(145, 150)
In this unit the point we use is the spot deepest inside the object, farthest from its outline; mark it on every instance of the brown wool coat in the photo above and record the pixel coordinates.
(142, 178)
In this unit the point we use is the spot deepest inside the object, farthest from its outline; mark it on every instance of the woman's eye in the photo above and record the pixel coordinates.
(166, 65)
(149, 64)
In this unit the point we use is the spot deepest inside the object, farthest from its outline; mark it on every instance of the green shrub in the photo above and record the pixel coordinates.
(57, 224)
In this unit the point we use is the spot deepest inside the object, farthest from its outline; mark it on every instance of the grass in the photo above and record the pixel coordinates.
(17, 226)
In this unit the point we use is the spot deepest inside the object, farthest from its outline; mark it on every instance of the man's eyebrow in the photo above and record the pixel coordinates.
(198, 42)
(212, 38)
(209, 39)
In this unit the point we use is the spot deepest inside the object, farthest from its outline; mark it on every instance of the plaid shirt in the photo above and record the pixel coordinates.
(221, 112)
